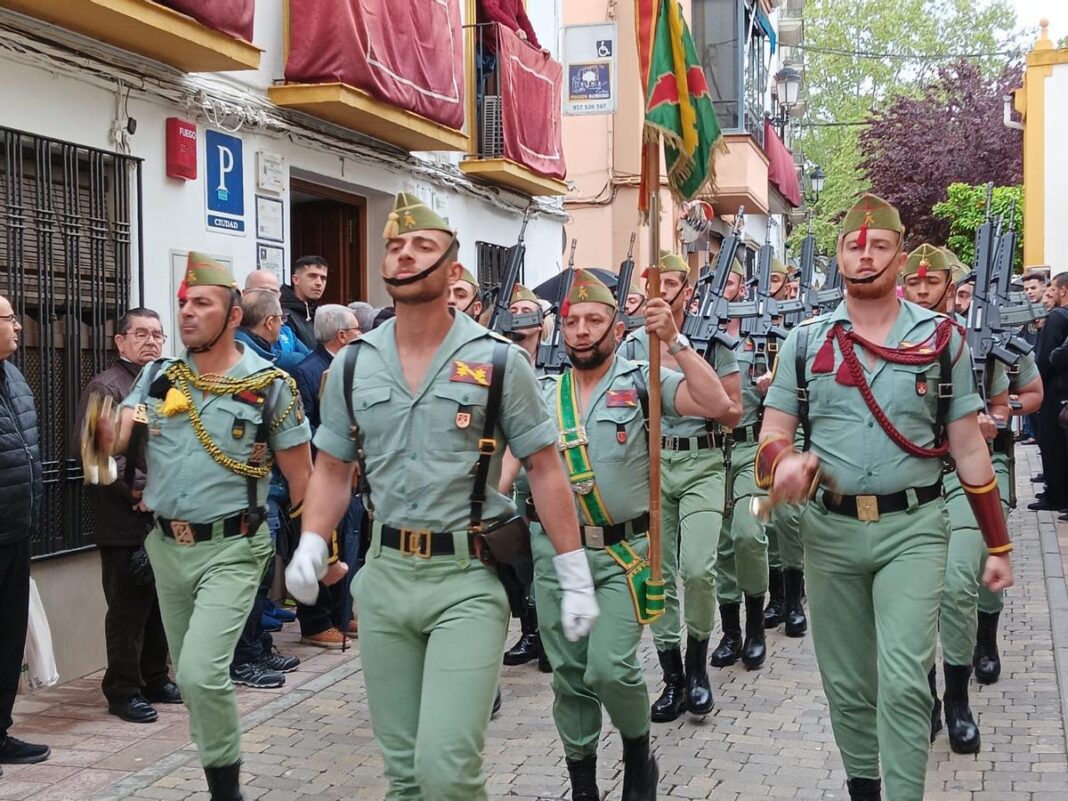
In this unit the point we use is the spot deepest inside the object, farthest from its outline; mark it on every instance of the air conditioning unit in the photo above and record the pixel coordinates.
(492, 134)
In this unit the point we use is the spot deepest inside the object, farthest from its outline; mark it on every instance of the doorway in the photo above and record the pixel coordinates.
(331, 223)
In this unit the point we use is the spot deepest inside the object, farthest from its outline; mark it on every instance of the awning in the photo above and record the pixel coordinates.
(781, 170)
(767, 27)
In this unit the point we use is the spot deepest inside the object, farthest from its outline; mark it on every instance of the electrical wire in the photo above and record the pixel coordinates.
(859, 54)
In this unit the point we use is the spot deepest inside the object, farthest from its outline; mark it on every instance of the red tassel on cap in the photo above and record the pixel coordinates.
(844, 375)
(565, 307)
(183, 290)
(645, 273)
(824, 361)
(862, 236)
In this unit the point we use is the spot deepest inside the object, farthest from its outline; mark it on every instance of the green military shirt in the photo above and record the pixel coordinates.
(618, 443)
(184, 481)
(858, 456)
(636, 348)
(422, 446)
(752, 400)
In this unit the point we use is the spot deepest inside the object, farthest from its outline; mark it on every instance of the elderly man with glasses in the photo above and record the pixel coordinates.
(137, 673)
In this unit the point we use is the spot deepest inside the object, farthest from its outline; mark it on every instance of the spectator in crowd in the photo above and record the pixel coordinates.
(137, 673)
(257, 663)
(288, 350)
(1034, 286)
(465, 296)
(365, 314)
(387, 313)
(322, 623)
(21, 488)
(1051, 438)
(300, 299)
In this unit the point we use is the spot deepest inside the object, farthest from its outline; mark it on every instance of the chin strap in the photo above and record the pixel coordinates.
(868, 279)
(411, 279)
(235, 295)
(595, 345)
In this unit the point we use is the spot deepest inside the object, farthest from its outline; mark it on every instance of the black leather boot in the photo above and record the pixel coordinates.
(865, 790)
(528, 648)
(698, 692)
(497, 701)
(224, 784)
(986, 660)
(640, 772)
(754, 649)
(774, 614)
(544, 666)
(936, 710)
(730, 646)
(584, 779)
(963, 733)
(794, 611)
(672, 702)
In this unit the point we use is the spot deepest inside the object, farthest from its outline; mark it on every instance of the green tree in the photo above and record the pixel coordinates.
(859, 53)
(965, 209)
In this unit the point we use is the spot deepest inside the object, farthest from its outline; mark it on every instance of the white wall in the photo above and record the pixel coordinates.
(1056, 207)
(53, 103)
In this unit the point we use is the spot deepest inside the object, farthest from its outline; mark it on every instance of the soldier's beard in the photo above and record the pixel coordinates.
(592, 356)
(881, 285)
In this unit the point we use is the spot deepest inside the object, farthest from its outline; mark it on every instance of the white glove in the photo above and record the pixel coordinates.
(578, 605)
(307, 568)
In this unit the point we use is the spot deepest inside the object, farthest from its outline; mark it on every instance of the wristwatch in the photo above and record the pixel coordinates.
(680, 343)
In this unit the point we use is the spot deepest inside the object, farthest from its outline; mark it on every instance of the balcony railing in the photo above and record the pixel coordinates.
(517, 134)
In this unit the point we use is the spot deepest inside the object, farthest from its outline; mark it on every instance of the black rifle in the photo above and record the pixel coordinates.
(830, 295)
(708, 326)
(807, 301)
(626, 273)
(1012, 312)
(501, 319)
(551, 355)
(760, 316)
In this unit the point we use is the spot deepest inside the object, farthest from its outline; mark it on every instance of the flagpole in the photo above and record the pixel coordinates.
(652, 154)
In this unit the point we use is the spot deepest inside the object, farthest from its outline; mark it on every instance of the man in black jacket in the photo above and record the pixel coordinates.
(136, 674)
(302, 298)
(20, 497)
(1051, 439)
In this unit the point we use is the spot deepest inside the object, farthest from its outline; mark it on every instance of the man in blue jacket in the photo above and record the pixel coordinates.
(20, 498)
(288, 349)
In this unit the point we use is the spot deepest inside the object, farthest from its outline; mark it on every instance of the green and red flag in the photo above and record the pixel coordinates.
(678, 104)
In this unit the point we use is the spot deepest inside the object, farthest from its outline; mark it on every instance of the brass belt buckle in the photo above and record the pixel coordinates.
(868, 508)
(415, 542)
(593, 536)
(183, 532)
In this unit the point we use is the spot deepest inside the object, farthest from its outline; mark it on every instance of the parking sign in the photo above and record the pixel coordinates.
(225, 182)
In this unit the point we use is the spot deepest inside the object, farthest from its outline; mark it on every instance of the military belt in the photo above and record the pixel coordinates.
(699, 443)
(869, 508)
(746, 433)
(600, 536)
(422, 542)
(185, 533)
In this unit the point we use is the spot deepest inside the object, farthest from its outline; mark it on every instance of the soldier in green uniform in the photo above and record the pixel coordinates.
(929, 280)
(599, 409)
(692, 487)
(885, 390)
(742, 566)
(421, 391)
(465, 295)
(214, 417)
(528, 647)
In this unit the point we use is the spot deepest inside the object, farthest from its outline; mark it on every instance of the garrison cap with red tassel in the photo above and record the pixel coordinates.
(871, 211)
(926, 259)
(587, 288)
(204, 270)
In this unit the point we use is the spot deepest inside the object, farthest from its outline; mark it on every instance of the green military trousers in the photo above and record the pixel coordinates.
(431, 636)
(742, 562)
(692, 485)
(874, 590)
(602, 669)
(205, 594)
(964, 591)
(784, 537)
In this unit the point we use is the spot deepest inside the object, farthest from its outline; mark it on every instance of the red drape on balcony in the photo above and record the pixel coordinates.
(781, 169)
(530, 98)
(232, 17)
(408, 53)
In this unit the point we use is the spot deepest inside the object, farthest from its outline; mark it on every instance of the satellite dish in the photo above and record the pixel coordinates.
(696, 220)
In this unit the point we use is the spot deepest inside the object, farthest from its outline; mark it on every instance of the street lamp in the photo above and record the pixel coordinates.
(816, 178)
(787, 93)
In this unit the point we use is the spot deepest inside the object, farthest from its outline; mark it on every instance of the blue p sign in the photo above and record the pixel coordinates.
(225, 179)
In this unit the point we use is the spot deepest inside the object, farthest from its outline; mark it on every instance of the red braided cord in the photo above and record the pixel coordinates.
(897, 356)
(909, 354)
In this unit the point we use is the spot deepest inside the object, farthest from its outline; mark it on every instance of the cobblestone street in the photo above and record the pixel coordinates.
(768, 738)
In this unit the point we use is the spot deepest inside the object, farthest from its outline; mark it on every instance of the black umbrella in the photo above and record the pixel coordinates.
(548, 290)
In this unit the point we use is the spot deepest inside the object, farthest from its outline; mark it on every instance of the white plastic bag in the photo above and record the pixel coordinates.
(39, 662)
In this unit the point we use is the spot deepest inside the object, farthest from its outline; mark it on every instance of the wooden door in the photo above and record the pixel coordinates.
(334, 230)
